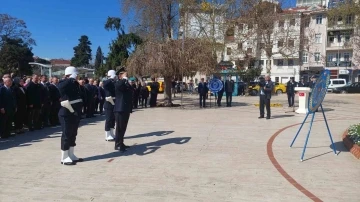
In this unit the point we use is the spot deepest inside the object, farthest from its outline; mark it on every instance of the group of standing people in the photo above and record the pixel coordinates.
(34, 103)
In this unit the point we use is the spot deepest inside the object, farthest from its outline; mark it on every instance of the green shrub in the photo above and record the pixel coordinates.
(354, 133)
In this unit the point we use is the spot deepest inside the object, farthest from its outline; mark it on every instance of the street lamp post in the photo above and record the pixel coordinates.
(182, 69)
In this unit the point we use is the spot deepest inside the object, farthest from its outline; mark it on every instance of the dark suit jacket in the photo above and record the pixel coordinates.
(221, 92)
(8, 101)
(124, 96)
(290, 87)
(268, 89)
(154, 86)
(229, 86)
(312, 85)
(34, 95)
(70, 90)
(305, 84)
(54, 94)
(20, 97)
(109, 88)
(203, 88)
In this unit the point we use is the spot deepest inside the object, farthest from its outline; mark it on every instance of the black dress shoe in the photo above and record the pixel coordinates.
(267, 117)
(125, 146)
(68, 163)
(261, 117)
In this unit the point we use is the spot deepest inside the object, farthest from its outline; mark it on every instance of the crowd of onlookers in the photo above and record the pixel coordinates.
(32, 102)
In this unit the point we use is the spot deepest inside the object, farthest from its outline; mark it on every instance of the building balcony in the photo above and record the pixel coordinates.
(339, 64)
(339, 46)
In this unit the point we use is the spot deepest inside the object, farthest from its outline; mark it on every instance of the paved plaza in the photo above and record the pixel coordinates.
(191, 154)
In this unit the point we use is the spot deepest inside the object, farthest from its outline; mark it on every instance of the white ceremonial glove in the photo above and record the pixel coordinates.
(125, 78)
(73, 76)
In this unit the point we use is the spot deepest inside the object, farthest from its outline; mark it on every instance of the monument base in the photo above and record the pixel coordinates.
(302, 110)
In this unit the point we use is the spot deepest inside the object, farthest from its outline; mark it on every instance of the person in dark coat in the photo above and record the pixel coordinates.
(302, 83)
(154, 86)
(91, 96)
(122, 109)
(83, 92)
(97, 101)
(144, 92)
(54, 101)
(202, 90)
(21, 112)
(101, 97)
(69, 115)
(266, 88)
(34, 102)
(290, 91)
(136, 95)
(46, 101)
(7, 108)
(229, 89)
(109, 88)
(220, 93)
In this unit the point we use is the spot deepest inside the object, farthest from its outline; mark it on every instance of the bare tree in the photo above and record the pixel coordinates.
(167, 59)
(14, 28)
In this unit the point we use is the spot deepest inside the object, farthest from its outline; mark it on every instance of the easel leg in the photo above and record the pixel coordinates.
(299, 129)
(307, 137)
(327, 126)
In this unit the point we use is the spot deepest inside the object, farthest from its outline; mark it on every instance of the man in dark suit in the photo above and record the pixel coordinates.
(109, 88)
(123, 108)
(154, 90)
(229, 89)
(101, 97)
(54, 101)
(220, 93)
(34, 104)
(7, 108)
(69, 115)
(202, 90)
(20, 116)
(302, 83)
(290, 91)
(46, 101)
(91, 95)
(266, 88)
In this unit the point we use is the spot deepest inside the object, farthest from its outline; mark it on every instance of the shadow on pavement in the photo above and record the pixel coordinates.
(339, 146)
(159, 133)
(28, 138)
(282, 116)
(141, 149)
(318, 155)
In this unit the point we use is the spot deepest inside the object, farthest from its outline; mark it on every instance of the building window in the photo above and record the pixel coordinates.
(331, 39)
(346, 57)
(305, 58)
(276, 79)
(339, 38)
(319, 19)
(317, 57)
(307, 23)
(330, 58)
(290, 62)
(280, 62)
(249, 50)
(250, 26)
(317, 38)
(348, 19)
(240, 46)
(347, 37)
(291, 43)
(281, 23)
(261, 63)
(241, 27)
(338, 56)
(292, 22)
(228, 51)
(280, 44)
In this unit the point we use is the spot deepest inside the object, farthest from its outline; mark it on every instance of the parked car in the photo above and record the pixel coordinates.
(279, 88)
(336, 83)
(161, 86)
(352, 88)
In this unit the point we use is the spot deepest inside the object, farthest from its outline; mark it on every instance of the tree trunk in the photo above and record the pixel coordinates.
(167, 91)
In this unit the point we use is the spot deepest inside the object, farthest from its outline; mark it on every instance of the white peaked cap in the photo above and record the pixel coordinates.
(111, 74)
(70, 70)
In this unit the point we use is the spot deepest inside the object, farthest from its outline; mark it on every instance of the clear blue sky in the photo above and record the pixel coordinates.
(56, 25)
